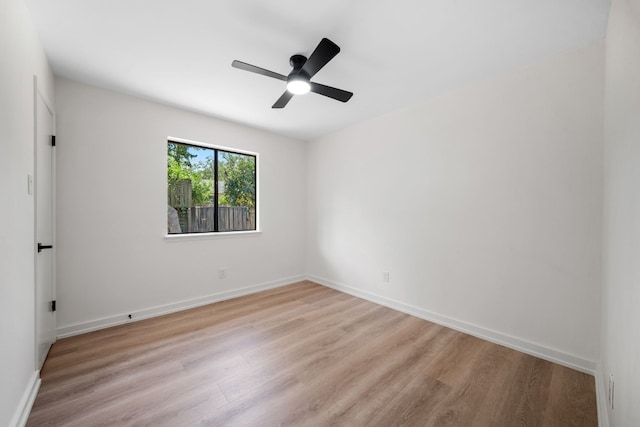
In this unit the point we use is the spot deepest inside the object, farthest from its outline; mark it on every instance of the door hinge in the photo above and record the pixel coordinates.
(52, 305)
(53, 140)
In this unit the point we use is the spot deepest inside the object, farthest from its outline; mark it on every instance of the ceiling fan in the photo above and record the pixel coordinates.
(299, 79)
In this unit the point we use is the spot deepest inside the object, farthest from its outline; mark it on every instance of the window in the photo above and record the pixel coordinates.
(210, 189)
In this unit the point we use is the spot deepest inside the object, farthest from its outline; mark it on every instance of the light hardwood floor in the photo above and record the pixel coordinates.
(302, 355)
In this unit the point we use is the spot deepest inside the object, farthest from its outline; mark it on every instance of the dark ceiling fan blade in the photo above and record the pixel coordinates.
(331, 92)
(283, 100)
(248, 67)
(325, 51)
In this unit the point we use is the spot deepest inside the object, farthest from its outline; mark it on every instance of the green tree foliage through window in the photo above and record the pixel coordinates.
(196, 202)
(238, 174)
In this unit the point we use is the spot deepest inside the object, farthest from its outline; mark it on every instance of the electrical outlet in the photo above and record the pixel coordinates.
(385, 277)
(222, 273)
(612, 391)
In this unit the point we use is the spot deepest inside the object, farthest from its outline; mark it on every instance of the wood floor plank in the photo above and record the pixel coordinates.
(388, 377)
(569, 404)
(528, 386)
(492, 411)
(331, 389)
(469, 391)
(301, 355)
(312, 354)
(413, 405)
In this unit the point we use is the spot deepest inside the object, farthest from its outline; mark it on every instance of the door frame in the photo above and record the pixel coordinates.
(39, 94)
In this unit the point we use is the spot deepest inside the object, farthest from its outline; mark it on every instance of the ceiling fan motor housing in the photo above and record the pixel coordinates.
(297, 61)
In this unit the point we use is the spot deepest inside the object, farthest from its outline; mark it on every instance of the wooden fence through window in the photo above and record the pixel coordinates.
(199, 219)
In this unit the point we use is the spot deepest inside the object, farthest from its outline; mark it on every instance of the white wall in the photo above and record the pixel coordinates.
(21, 57)
(112, 210)
(621, 283)
(484, 205)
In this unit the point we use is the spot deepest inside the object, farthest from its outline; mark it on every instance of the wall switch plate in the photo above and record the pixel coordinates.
(612, 389)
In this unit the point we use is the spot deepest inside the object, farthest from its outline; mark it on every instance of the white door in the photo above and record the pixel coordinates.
(44, 268)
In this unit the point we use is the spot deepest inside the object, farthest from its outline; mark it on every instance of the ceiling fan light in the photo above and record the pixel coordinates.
(298, 86)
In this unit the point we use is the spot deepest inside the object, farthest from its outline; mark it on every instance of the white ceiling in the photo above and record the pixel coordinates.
(394, 52)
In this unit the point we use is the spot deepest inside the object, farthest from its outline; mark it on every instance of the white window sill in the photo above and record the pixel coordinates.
(208, 236)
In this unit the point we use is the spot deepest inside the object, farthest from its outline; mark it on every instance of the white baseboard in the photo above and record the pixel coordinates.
(518, 344)
(537, 350)
(106, 322)
(601, 397)
(26, 403)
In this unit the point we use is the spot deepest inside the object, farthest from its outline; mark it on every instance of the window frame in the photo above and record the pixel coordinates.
(215, 234)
